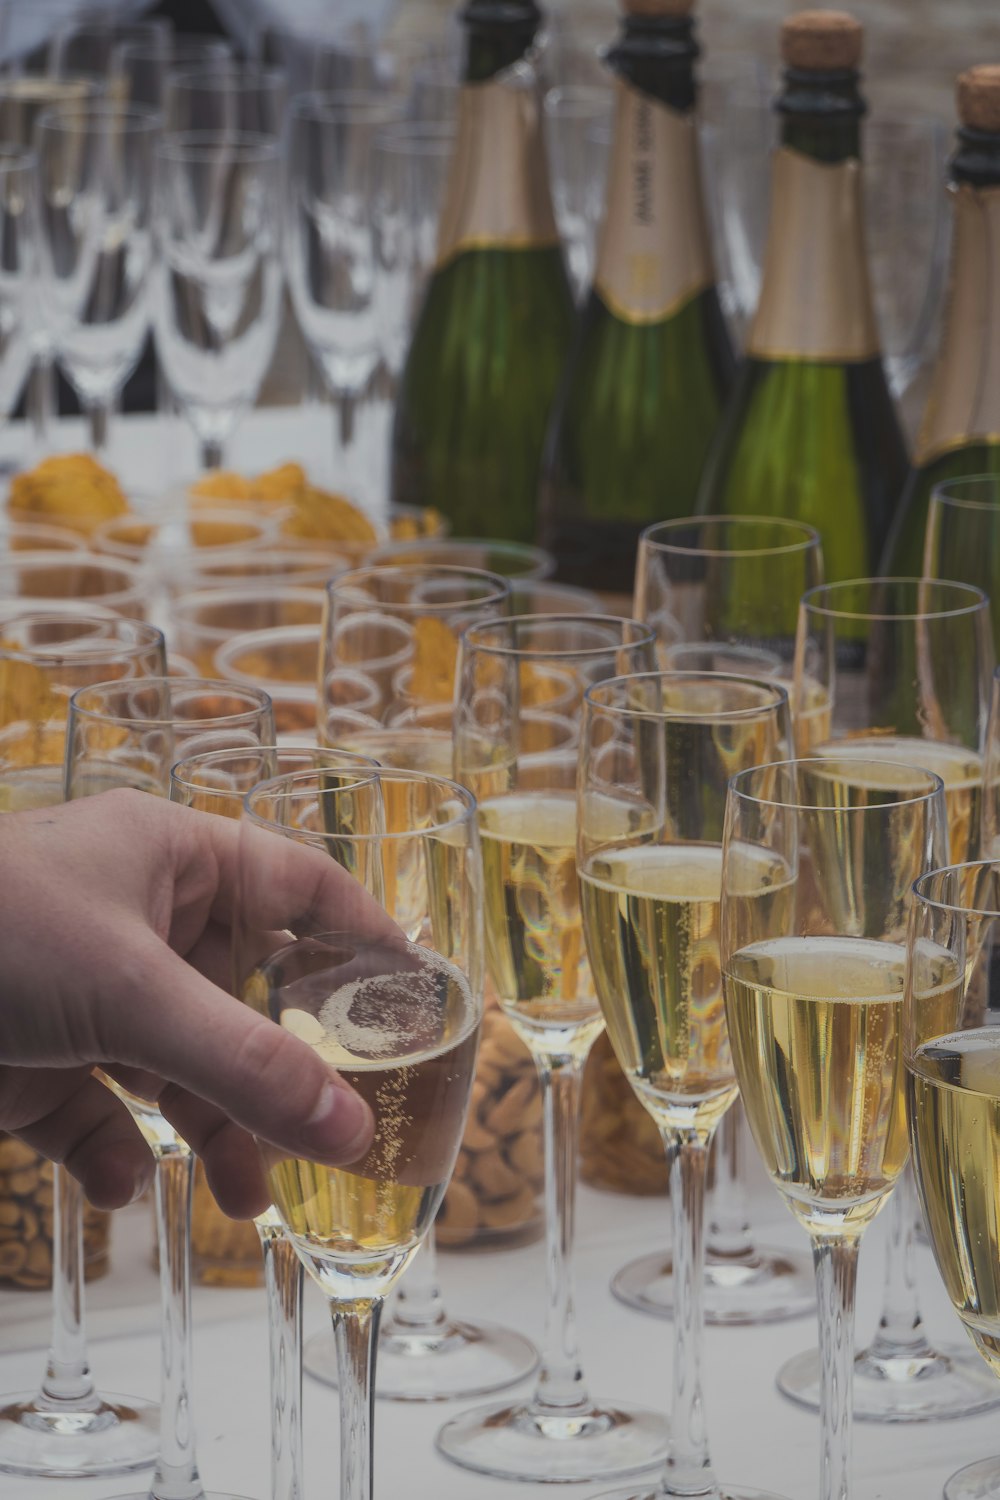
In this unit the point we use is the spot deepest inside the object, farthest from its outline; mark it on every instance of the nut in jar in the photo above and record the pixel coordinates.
(27, 1199)
(494, 1194)
(620, 1146)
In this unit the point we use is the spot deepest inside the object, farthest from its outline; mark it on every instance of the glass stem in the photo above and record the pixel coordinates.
(418, 1306)
(355, 1329)
(176, 1476)
(347, 407)
(99, 423)
(689, 1469)
(283, 1277)
(67, 1373)
(212, 453)
(900, 1328)
(836, 1263)
(41, 399)
(560, 1389)
(728, 1218)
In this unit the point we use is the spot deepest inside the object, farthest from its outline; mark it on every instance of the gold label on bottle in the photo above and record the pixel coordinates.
(497, 195)
(815, 298)
(655, 253)
(964, 401)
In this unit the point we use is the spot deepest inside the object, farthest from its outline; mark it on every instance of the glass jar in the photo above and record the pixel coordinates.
(620, 1147)
(26, 1221)
(224, 1251)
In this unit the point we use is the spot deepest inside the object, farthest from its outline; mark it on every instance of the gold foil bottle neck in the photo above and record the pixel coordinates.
(654, 252)
(964, 402)
(497, 195)
(815, 299)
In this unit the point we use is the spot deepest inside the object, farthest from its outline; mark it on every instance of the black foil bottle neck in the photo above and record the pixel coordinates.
(977, 158)
(499, 34)
(821, 113)
(656, 55)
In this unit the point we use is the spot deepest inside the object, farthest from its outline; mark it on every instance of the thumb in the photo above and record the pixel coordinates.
(193, 1034)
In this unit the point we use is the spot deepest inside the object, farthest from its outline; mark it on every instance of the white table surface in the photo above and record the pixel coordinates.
(758, 1439)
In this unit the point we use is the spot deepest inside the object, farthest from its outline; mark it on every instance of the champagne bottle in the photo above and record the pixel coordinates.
(491, 338)
(960, 433)
(651, 361)
(811, 431)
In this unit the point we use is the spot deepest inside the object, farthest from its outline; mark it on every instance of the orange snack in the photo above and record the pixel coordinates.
(72, 488)
(322, 516)
(434, 661)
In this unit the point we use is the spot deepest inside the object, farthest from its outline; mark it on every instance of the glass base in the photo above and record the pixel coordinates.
(953, 1382)
(765, 1287)
(205, 1495)
(518, 1442)
(979, 1481)
(458, 1359)
(121, 1433)
(722, 1492)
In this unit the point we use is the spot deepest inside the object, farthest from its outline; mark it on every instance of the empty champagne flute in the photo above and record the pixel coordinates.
(139, 70)
(66, 1428)
(899, 669)
(51, 580)
(228, 98)
(511, 676)
(217, 781)
(991, 777)
(962, 539)
(217, 303)
(658, 750)
(951, 1045)
(84, 46)
(203, 620)
(722, 594)
(129, 734)
(401, 1021)
(95, 175)
(814, 1009)
(19, 274)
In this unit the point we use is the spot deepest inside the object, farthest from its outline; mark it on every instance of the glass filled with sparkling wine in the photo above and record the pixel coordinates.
(389, 992)
(898, 669)
(657, 752)
(952, 1052)
(814, 1009)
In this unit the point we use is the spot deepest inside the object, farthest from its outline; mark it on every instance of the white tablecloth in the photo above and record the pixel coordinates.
(758, 1439)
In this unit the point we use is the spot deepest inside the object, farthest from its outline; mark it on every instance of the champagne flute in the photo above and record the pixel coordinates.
(95, 173)
(508, 676)
(217, 306)
(899, 669)
(514, 560)
(722, 594)
(814, 1008)
(658, 750)
(395, 630)
(962, 539)
(66, 1428)
(991, 777)
(205, 619)
(140, 70)
(83, 580)
(950, 1042)
(129, 734)
(225, 98)
(410, 1049)
(217, 781)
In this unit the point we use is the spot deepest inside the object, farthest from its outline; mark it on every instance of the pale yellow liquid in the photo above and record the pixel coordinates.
(651, 918)
(815, 1025)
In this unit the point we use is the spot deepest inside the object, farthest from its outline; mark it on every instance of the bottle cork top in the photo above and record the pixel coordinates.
(821, 41)
(978, 91)
(675, 9)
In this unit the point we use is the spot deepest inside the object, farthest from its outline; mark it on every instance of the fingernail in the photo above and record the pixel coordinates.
(340, 1126)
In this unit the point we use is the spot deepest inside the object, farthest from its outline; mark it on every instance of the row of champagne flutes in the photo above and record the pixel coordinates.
(450, 603)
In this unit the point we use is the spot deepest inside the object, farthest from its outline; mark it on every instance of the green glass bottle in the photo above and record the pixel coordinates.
(490, 341)
(811, 432)
(960, 433)
(651, 362)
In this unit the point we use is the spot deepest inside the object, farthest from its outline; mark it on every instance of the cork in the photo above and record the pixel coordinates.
(821, 41)
(675, 9)
(978, 91)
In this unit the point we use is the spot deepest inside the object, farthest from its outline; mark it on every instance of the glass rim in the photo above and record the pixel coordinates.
(442, 572)
(248, 75)
(139, 118)
(919, 890)
(977, 599)
(530, 552)
(941, 493)
(255, 698)
(338, 105)
(735, 789)
(147, 48)
(428, 135)
(188, 599)
(291, 779)
(645, 636)
(806, 538)
(15, 158)
(244, 145)
(112, 649)
(772, 686)
(210, 758)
